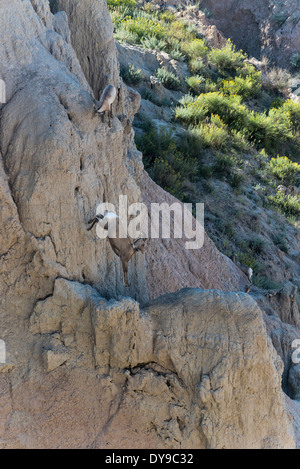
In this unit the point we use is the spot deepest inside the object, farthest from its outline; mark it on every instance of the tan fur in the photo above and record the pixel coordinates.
(107, 99)
(123, 247)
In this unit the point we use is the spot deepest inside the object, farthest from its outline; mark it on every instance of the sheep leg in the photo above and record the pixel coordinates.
(102, 117)
(109, 121)
(125, 272)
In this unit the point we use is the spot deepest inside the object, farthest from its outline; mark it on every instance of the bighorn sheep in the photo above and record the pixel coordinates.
(108, 97)
(244, 268)
(125, 248)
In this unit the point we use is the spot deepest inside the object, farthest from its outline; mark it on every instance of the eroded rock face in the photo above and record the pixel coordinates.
(60, 159)
(171, 375)
(282, 319)
(262, 27)
(86, 370)
(92, 17)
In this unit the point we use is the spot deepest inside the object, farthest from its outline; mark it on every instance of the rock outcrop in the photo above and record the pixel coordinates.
(61, 170)
(87, 366)
(107, 374)
(261, 27)
(283, 325)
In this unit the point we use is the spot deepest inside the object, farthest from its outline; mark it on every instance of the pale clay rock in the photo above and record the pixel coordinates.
(167, 389)
(89, 371)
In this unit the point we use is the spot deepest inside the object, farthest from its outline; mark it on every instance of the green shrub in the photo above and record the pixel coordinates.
(236, 180)
(245, 87)
(168, 79)
(168, 161)
(257, 244)
(177, 54)
(144, 27)
(148, 94)
(123, 35)
(152, 143)
(191, 113)
(248, 70)
(188, 145)
(287, 171)
(238, 141)
(166, 177)
(211, 86)
(223, 165)
(292, 109)
(120, 9)
(131, 75)
(227, 58)
(146, 14)
(195, 49)
(118, 3)
(228, 108)
(197, 67)
(265, 283)
(196, 84)
(248, 259)
(167, 16)
(280, 241)
(205, 171)
(177, 30)
(269, 131)
(213, 134)
(186, 99)
(154, 43)
(288, 204)
(277, 103)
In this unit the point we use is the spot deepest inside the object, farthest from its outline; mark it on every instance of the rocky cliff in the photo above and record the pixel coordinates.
(266, 27)
(87, 359)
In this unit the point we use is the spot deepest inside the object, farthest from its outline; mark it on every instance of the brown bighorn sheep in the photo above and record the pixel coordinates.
(125, 248)
(108, 97)
(247, 270)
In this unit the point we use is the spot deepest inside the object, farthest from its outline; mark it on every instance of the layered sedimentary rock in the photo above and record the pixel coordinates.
(107, 374)
(86, 365)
